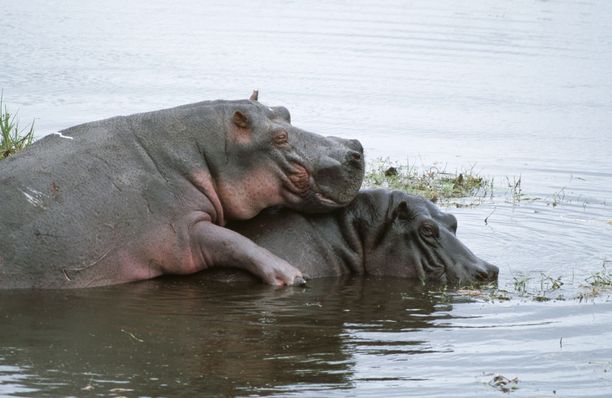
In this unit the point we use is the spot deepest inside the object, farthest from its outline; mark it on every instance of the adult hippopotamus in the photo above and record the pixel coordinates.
(133, 197)
(381, 232)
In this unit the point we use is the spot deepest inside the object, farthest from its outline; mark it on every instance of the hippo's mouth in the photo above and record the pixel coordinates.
(324, 199)
(301, 183)
(299, 179)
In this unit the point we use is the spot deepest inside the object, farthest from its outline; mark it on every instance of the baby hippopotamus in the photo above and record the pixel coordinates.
(381, 232)
(134, 197)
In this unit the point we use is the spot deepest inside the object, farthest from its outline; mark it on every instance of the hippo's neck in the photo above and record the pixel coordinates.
(174, 146)
(243, 197)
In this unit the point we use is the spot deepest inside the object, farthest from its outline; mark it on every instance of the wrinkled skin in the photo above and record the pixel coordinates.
(381, 232)
(131, 198)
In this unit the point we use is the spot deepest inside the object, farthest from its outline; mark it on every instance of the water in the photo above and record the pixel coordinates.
(512, 89)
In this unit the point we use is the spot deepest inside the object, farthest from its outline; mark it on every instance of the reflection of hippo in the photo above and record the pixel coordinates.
(131, 198)
(380, 233)
(217, 341)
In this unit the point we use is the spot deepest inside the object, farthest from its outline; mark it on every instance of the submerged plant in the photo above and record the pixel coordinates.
(515, 188)
(520, 284)
(12, 139)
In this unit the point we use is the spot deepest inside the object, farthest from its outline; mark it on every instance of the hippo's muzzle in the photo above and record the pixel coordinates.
(458, 264)
(473, 272)
(338, 173)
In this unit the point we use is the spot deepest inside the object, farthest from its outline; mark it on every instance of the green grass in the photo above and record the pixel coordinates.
(433, 183)
(12, 138)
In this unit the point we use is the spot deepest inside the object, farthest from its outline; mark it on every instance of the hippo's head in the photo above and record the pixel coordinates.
(410, 237)
(303, 170)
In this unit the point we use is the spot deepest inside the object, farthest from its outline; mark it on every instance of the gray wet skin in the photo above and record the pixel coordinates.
(380, 233)
(131, 198)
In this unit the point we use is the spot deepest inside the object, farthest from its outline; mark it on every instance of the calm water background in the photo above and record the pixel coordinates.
(521, 88)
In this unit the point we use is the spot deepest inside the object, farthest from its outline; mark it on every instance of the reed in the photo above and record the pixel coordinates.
(12, 138)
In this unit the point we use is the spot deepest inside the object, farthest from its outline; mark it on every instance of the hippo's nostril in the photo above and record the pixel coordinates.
(482, 275)
(354, 159)
(489, 273)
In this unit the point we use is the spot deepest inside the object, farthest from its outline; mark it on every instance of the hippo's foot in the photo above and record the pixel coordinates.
(276, 271)
(218, 246)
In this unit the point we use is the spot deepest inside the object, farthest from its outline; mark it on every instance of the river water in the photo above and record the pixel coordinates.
(512, 90)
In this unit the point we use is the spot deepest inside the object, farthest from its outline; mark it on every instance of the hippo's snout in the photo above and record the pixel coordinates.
(355, 145)
(339, 172)
(349, 153)
(486, 273)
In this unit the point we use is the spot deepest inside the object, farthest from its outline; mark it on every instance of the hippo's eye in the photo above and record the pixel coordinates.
(281, 137)
(429, 230)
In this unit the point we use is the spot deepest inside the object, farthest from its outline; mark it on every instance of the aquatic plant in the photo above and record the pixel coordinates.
(433, 183)
(596, 283)
(523, 286)
(601, 278)
(504, 384)
(515, 188)
(520, 284)
(12, 138)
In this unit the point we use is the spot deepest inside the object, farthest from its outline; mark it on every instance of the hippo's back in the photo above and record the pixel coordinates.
(68, 196)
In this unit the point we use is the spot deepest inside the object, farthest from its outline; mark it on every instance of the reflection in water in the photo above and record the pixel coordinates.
(190, 336)
(178, 335)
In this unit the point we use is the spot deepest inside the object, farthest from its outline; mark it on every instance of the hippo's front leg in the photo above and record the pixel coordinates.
(218, 246)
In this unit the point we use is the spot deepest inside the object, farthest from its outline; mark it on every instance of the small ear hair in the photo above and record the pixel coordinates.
(254, 96)
(241, 120)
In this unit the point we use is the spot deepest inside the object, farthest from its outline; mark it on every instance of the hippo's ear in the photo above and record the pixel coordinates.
(254, 96)
(241, 133)
(282, 112)
(241, 120)
(402, 211)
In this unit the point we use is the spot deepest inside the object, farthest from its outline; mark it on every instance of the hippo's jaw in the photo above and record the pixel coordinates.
(302, 184)
(302, 192)
(314, 189)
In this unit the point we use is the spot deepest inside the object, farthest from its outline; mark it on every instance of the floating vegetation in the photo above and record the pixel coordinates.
(542, 287)
(596, 284)
(433, 183)
(12, 138)
(504, 384)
